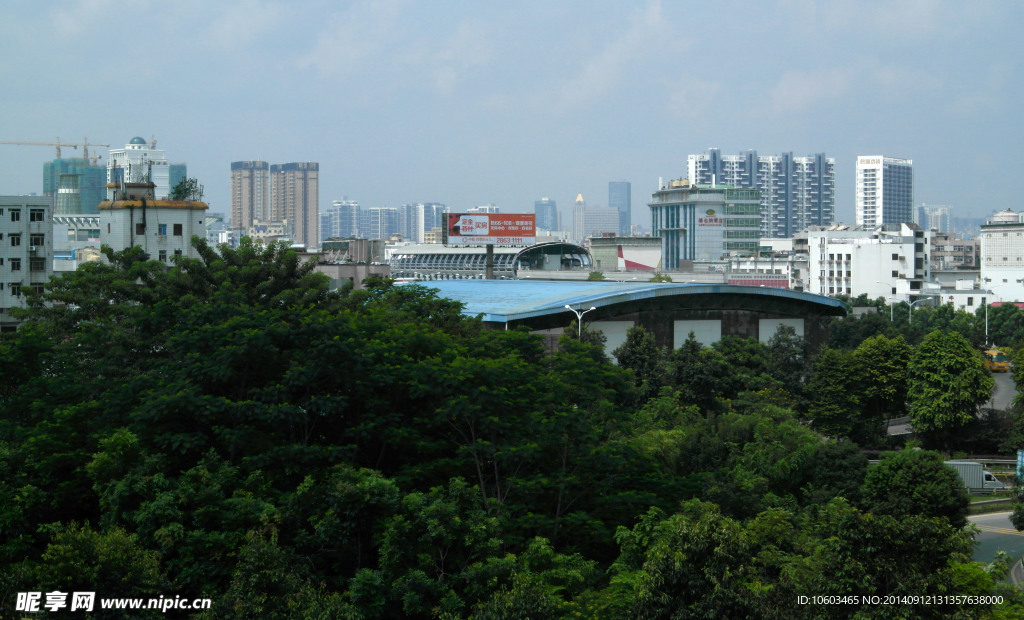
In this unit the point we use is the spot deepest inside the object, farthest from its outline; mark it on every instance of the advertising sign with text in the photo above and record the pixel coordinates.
(491, 229)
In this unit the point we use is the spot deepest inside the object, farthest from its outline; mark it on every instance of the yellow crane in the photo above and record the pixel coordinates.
(84, 144)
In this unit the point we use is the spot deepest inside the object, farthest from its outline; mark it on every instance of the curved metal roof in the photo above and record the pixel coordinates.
(505, 301)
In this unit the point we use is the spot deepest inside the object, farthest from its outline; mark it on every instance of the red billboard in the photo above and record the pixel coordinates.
(491, 229)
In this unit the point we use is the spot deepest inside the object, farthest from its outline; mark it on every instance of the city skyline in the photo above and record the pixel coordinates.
(413, 102)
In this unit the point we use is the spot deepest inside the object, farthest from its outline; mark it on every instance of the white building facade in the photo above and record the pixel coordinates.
(890, 262)
(884, 191)
(162, 228)
(138, 162)
(1002, 256)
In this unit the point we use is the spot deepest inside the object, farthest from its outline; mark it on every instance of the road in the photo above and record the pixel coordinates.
(997, 533)
(1002, 397)
(1005, 391)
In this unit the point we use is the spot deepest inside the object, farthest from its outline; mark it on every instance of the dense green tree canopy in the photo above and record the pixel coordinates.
(946, 384)
(229, 427)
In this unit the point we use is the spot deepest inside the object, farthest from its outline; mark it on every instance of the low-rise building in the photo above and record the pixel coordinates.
(162, 228)
(26, 251)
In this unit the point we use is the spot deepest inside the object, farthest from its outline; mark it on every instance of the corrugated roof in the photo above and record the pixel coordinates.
(509, 300)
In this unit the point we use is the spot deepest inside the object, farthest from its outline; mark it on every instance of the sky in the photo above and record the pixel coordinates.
(474, 103)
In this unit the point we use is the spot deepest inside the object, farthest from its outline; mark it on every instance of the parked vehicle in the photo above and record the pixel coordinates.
(996, 361)
(975, 477)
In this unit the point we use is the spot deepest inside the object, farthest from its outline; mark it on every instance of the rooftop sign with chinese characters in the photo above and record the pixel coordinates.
(491, 229)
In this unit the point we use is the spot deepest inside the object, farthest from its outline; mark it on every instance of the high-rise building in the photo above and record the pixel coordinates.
(935, 217)
(704, 223)
(884, 190)
(378, 222)
(578, 223)
(796, 192)
(340, 221)
(294, 198)
(415, 220)
(139, 162)
(546, 212)
(87, 189)
(598, 221)
(250, 193)
(620, 198)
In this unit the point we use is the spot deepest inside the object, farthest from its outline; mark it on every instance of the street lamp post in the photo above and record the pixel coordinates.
(579, 319)
(910, 310)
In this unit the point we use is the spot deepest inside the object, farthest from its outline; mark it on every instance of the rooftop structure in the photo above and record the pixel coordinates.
(669, 310)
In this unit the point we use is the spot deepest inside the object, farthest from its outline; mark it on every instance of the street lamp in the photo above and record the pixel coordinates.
(910, 310)
(579, 319)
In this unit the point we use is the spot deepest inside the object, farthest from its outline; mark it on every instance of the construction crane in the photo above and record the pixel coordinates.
(84, 144)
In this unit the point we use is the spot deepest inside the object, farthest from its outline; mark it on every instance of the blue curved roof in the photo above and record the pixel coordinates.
(138, 140)
(509, 300)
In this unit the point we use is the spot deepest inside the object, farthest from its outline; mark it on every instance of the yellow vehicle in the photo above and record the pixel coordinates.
(996, 361)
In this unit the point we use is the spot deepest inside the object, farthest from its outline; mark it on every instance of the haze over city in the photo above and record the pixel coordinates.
(481, 103)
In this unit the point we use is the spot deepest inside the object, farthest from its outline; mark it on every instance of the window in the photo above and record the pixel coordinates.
(36, 215)
(163, 256)
(895, 256)
(162, 230)
(895, 274)
(37, 289)
(15, 264)
(177, 252)
(15, 215)
(108, 228)
(16, 290)
(37, 264)
(177, 230)
(15, 240)
(140, 229)
(37, 239)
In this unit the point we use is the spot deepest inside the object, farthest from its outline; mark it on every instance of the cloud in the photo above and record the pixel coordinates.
(693, 96)
(469, 47)
(801, 90)
(243, 24)
(350, 39)
(603, 71)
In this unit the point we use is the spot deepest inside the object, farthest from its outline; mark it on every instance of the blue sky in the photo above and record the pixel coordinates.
(472, 103)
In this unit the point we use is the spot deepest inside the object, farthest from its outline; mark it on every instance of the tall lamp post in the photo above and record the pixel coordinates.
(579, 319)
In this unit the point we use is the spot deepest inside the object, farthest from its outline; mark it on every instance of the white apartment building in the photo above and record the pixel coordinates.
(890, 262)
(138, 162)
(162, 228)
(1002, 256)
(26, 251)
(884, 191)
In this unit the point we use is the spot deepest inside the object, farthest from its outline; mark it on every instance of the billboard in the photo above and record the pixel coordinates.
(491, 229)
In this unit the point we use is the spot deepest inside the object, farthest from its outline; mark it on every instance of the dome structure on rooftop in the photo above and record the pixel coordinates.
(138, 140)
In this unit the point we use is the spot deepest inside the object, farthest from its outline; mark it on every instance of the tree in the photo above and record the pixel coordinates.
(946, 382)
(915, 482)
(881, 364)
(833, 400)
(187, 189)
(648, 361)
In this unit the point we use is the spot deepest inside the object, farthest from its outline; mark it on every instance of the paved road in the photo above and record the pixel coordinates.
(997, 533)
(1006, 390)
(1002, 397)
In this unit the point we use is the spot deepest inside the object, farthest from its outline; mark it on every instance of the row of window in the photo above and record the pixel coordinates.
(140, 229)
(34, 264)
(33, 239)
(34, 215)
(16, 288)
